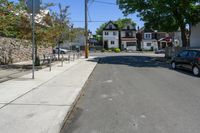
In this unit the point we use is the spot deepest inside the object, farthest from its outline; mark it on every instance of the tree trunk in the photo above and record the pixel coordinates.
(183, 36)
(120, 41)
(189, 35)
(36, 50)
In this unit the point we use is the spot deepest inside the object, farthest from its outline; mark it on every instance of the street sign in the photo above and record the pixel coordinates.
(29, 4)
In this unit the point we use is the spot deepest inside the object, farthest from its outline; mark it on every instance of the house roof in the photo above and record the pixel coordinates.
(143, 29)
(128, 30)
(110, 22)
(128, 24)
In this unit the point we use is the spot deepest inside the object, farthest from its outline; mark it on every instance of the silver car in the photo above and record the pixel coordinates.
(62, 51)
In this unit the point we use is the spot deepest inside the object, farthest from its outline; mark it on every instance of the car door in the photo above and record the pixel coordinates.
(181, 59)
(190, 59)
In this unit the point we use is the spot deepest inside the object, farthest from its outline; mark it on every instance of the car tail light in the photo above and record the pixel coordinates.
(198, 60)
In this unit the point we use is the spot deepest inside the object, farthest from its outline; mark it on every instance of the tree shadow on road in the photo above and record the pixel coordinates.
(133, 61)
(138, 62)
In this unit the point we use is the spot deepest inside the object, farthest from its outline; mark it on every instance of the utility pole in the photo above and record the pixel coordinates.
(86, 29)
(33, 39)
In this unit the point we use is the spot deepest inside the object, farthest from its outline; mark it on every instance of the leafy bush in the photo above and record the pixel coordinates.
(117, 50)
(103, 50)
(109, 50)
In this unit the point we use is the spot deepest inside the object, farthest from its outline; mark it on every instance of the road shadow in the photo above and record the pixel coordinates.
(12, 66)
(133, 61)
(139, 62)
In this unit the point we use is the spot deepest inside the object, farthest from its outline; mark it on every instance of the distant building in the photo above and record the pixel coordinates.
(195, 36)
(149, 40)
(153, 39)
(128, 37)
(177, 39)
(110, 36)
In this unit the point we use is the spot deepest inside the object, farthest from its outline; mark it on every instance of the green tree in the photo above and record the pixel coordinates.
(16, 22)
(166, 15)
(8, 20)
(99, 30)
(122, 22)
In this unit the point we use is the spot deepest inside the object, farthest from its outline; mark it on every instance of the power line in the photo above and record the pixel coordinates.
(81, 21)
(89, 14)
(103, 2)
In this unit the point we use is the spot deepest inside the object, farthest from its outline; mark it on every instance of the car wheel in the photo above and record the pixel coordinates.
(173, 65)
(62, 52)
(196, 71)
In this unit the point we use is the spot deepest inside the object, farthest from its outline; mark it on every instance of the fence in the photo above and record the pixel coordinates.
(172, 51)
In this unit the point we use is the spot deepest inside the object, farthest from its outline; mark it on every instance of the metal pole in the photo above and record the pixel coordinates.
(33, 39)
(62, 61)
(50, 62)
(73, 56)
(69, 57)
(86, 29)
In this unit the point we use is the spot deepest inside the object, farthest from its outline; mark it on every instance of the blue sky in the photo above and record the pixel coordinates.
(97, 12)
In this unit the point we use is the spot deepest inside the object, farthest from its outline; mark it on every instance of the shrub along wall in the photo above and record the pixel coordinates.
(16, 50)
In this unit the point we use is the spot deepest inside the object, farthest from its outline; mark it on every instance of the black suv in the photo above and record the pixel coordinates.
(187, 59)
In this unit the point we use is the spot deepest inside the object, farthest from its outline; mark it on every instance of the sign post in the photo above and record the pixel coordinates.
(33, 8)
(33, 38)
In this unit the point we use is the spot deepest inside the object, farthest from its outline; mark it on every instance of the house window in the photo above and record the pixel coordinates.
(128, 27)
(131, 44)
(110, 26)
(148, 44)
(114, 33)
(147, 36)
(112, 42)
(106, 33)
(129, 34)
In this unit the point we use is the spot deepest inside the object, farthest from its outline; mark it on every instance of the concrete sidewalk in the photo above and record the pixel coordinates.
(41, 105)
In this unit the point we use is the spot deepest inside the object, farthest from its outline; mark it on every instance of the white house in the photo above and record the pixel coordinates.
(149, 40)
(177, 39)
(110, 36)
(195, 36)
(128, 37)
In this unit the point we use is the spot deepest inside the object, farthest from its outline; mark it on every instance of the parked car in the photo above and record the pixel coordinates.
(62, 51)
(187, 59)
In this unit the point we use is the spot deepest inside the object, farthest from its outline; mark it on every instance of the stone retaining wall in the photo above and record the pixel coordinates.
(16, 50)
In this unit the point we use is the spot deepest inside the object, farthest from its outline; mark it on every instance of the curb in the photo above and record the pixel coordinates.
(71, 109)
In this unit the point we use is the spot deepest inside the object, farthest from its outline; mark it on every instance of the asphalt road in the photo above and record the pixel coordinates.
(135, 94)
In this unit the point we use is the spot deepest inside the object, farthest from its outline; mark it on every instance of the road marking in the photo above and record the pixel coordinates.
(108, 81)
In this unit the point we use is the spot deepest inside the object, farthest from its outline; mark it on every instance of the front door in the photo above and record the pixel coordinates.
(106, 45)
